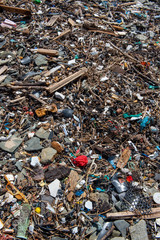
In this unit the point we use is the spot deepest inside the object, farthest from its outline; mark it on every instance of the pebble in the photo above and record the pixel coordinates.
(47, 155)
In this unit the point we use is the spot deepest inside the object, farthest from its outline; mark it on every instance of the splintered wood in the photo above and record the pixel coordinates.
(124, 158)
(15, 10)
(56, 86)
(155, 213)
(52, 21)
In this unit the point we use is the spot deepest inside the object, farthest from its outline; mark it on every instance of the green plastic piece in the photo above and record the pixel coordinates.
(126, 115)
(153, 87)
(23, 221)
(37, 1)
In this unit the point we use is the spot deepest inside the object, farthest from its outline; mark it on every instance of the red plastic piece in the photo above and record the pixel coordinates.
(80, 161)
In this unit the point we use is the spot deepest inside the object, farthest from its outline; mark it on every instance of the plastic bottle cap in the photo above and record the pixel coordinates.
(156, 197)
(37, 210)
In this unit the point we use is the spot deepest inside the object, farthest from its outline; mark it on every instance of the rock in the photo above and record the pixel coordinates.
(59, 96)
(33, 144)
(141, 37)
(12, 144)
(26, 60)
(47, 155)
(115, 234)
(57, 146)
(19, 165)
(94, 197)
(139, 231)
(91, 230)
(53, 187)
(93, 236)
(67, 113)
(118, 238)
(60, 172)
(40, 60)
(58, 238)
(42, 134)
(122, 226)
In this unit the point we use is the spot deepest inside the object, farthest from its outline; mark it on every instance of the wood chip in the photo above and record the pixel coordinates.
(44, 51)
(124, 158)
(71, 22)
(3, 69)
(52, 21)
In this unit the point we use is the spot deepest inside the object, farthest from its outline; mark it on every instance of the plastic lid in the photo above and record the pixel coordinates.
(156, 197)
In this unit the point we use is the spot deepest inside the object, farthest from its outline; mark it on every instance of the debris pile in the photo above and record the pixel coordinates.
(79, 120)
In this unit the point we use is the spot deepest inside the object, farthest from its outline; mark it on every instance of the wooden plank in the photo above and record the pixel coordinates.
(2, 78)
(62, 34)
(3, 69)
(44, 51)
(56, 86)
(155, 213)
(16, 10)
(71, 22)
(52, 21)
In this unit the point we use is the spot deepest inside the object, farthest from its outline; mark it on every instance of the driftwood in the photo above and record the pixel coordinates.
(155, 213)
(15, 10)
(56, 86)
(44, 51)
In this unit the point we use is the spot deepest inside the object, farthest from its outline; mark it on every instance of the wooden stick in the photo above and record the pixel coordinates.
(150, 81)
(62, 34)
(71, 22)
(38, 99)
(16, 10)
(125, 54)
(44, 51)
(3, 69)
(17, 100)
(56, 86)
(52, 21)
(101, 31)
(155, 213)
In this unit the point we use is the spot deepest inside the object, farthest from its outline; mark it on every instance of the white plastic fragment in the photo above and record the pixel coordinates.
(35, 161)
(89, 205)
(50, 208)
(53, 187)
(156, 197)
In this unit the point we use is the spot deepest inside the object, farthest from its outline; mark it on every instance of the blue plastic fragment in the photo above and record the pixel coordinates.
(79, 193)
(144, 122)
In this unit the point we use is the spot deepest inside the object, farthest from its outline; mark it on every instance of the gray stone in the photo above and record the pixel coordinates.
(93, 236)
(26, 60)
(43, 134)
(19, 165)
(118, 238)
(91, 230)
(104, 197)
(115, 233)
(141, 37)
(12, 144)
(33, 144)
(40, 60)
(47, 155)
(139, 231)
(58, 238)
(122, 226)
(7, 80)
(157, 176)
